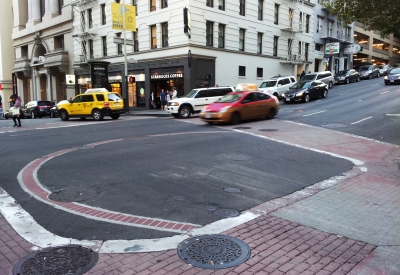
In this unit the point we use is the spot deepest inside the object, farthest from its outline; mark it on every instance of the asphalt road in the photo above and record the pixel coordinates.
(157, 161)
(367, 108)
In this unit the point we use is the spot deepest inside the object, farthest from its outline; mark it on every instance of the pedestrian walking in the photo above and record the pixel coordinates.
(153, 103)
(174, 93)
(302, 74)
(162, 97)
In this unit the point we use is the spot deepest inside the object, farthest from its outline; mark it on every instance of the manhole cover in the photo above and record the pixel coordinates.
(232, 190)
(268, 130)
(179, 198)
(333, 125)
(226, 213)
(235, 156)
(74, 194)
(213, 251)
(243, 128)
(211, 208)
(62, 260)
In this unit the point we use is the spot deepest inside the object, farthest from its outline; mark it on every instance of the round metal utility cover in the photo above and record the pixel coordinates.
(62, 260)
(244, 128)
(232, 190)
(213, 251)
(74, 194)
(268, 130)
(235, 156)
(333, 125)
(226, 213)
(211, 208)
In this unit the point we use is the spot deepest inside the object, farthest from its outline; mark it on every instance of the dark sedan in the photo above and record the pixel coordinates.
(393, 76)
(347, 76)
(304, 91)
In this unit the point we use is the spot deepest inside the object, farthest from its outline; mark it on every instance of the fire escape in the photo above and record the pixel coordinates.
(83, 30)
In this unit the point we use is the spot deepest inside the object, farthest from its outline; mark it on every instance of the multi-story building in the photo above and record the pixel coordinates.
(6, 54)
(43, 48)
(331, 37)
(233, 41)
(376, 49)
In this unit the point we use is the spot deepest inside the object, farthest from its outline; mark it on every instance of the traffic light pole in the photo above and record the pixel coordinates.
(126, 101)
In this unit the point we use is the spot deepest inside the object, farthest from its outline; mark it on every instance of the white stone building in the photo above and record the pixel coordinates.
(6, 54)
(43, 48)
(235, 41)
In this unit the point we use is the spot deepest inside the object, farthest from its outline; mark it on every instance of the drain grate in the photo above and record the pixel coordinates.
(333, 125)
(226, 213)
(213, 251)
(243, 128)
(268, 130)
(232, 190)
(70, 259)
(74, 194)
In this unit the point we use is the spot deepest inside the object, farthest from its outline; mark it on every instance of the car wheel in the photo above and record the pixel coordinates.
(115, 116)
(235, 118)
(271, 113)
(64, 115)
(358, 79)
(370, 76)
(347, 80)
(330, 85)
(184, 112)
(276, 95)
(325, 94)
(379, 74)
(175, 115)
(306, 98)
(210, 122)
(97, 115)
(33, 115)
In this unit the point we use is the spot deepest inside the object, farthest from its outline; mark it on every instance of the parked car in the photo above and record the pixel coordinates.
(195, 100)
(393, 77)
(37, 108)
(93, 103)
(237, 106)
(347, 76)
(54, 110)
(369, 71)
(305, 91)
(277, 85)
(384, 69)
(325, 77)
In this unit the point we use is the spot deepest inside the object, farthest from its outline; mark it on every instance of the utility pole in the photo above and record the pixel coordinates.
(126, 101)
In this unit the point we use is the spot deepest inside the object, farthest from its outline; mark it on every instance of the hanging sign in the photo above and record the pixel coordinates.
(118, 11)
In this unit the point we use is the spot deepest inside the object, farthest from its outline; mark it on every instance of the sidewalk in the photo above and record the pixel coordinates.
(349, 224)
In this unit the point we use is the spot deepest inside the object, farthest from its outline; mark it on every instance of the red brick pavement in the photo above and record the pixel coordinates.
(277, 247)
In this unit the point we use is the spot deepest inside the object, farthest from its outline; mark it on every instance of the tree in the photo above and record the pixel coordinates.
(376, 15)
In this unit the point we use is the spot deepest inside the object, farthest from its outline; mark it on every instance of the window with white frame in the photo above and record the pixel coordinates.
(242, 70)
(136, 41)
(242, 7)
(119, 46)
(221, 36)
(164, 30)
(104, 44)
(260, 9)
(152, 5)
(153, 36)
(276, 14)
(209, 33)
(275, 48)
(259, 42)
(221, 4)
(241, 39)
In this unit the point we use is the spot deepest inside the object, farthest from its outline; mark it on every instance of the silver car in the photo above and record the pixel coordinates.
(325, 77)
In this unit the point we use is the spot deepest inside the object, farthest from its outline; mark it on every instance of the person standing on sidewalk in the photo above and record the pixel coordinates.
(174, 93)
(153, 103)
(162, 97)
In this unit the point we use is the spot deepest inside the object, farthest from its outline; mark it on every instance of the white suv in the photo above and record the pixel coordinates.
(195, 100)
(277, 85)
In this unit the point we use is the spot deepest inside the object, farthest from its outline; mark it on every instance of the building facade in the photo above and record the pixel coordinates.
(43, 48)
(6, 55)
(331, 38)
(231, 42)
(376, 49)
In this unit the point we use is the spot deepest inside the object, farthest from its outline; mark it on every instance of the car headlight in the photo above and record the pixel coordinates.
(300, 94)
(224, 109)
(367, 73)
(398, 77)
(174, 104)
(386, 77)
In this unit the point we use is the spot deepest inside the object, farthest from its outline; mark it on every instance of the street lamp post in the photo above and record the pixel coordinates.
(125, 59)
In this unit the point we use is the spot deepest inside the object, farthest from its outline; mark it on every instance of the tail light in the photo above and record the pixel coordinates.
(106, 104)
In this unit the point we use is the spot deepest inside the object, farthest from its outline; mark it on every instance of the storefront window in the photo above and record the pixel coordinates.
(116, 88)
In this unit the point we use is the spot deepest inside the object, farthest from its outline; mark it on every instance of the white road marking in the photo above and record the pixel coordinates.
(374, 85)
(393, 114)
(384, 93)
(361, 120)
(315, 113)
(343, 94)
(360, 100)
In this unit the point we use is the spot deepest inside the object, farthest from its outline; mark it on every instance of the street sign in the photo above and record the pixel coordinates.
(121, 41)
(332, 48)
(70, 80)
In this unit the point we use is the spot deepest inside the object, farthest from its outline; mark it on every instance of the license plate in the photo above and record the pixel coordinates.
(116, 104)
(392, 80)
(287, 99)
(208, 115)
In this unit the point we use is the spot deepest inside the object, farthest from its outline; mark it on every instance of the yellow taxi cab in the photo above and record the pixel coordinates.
(245, 103)
(95, 103)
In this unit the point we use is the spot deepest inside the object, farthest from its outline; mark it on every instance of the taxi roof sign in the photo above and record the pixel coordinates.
(246, 87)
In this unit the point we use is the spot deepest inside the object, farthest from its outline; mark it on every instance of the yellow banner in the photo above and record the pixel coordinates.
(117, 16)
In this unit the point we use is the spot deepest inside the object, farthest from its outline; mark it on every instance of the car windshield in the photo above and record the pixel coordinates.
(266, 84)
(342, 73)
(395, 71)
(45, 103)
(230, 98)
(192, 93)
(113, 97)
(308, 77)
(300, 85)
(364, 68)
